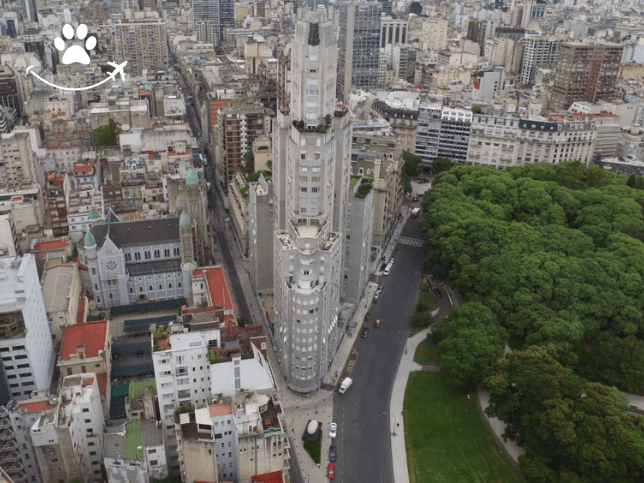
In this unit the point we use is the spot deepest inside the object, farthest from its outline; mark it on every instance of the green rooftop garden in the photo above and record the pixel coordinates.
(365, 186)
(353, 180)
(133, 441)
(137, 388)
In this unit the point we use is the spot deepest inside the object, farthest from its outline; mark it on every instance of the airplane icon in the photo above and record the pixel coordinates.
(118, 69)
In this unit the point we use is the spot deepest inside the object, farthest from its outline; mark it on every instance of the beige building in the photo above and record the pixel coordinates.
(380, 157)
(262, 152)
(234, 440)
(435, 33)
(61, 290)
(238, 199)
(143, 43)
(503, 141)
(68, 439)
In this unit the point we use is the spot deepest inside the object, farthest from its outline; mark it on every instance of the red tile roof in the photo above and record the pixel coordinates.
(102, 382)
(273, 477)
(80, 315)
(35, 406)
(220, 409)
(55, 244)
(83, 169)
(217, 285)
(92, 335)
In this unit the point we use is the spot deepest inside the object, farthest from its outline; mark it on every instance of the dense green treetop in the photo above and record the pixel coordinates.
(555, 254)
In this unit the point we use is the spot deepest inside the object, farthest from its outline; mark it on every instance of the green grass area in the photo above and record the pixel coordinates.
(314, 448)
(133, 441)
(353, 180)
(137, 387)
(426, 353)
(446, 438)
(427, 302)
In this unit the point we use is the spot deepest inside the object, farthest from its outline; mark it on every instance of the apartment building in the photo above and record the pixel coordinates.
(393, 31)
(87, 348)
(237, 440)
(69, 438)
(379, 156)
(400, 109)
(504, 141)
(136, 454)
(537, 52)
(238, 124)
(143, 43)
(17, 160)
(442, 132)
(435, 33)
(585, 72)
(358, 45)
(26, 345)
(56, 194)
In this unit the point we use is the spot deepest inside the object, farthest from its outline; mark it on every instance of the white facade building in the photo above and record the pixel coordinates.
(26, 345)
(311, 147)
(69, 439)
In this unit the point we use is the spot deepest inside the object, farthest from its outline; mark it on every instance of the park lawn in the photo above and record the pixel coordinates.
(422, 319)
(446, 438)
(426, 353)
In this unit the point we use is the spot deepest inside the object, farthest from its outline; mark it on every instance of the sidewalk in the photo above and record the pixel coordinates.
(397, 423)
(389, 249)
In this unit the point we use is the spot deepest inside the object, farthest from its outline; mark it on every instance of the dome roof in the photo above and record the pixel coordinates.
(192, 178)
(184, 220)
(181, 202)
(89, 239)
(93, 214)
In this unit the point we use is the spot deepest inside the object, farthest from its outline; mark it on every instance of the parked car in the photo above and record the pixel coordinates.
(332, 453)
(438, 293)
(331, 472)
(333, 430)
(367, 317)
(377, 324)
(376, 296)
(365, 332)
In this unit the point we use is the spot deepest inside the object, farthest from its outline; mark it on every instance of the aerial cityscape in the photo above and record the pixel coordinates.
(274, 241)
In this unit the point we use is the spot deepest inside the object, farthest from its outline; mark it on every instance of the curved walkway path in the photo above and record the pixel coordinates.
(397, 424)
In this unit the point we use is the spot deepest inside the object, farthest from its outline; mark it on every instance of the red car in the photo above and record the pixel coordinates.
(331, 473)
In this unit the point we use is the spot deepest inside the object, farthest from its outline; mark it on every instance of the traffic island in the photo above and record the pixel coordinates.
(427, 308)
(313, 440)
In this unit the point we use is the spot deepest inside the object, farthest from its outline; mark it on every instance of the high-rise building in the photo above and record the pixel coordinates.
(359, 45)
(32, 10)
(585, 72)
(311, 146)
(220, 12)
(26, 345)
(143, 43)
(537, 52)
(11, 94)
(17, 163)
(442, 132)
(69, 438)
(393, 31)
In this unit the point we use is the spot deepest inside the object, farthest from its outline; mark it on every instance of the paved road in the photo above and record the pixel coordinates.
(362, 413)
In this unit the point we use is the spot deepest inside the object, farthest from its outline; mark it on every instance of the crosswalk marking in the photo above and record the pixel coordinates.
(414, 242)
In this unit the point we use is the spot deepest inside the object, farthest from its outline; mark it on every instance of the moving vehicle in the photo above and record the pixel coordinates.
(365, 333)
(438, 293)
(377, 324)
(331, 472)
(333, 430)
(414, 213)
(332, 453)
(346, 384)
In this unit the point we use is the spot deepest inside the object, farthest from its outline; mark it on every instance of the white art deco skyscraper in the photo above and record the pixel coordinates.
(312, 145)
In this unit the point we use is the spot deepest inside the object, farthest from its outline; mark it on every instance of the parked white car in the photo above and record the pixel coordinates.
(333, 430)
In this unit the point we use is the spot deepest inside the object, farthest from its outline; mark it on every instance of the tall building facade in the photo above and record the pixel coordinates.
(537, 52)
(143, 44)
(26, 345)
(394, 31)
(442, 132)
(220, 12)
(585, 72)
(358, 45)
(312, 146)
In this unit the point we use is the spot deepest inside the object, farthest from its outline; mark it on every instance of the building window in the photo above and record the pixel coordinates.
(157, 253)
(137, 255)
(166, 252)
(160, 287)
(147, 254)
(93, 271)
(128, 257)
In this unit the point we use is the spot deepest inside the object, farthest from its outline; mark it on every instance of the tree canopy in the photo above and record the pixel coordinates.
(572, 430)
(552, 256)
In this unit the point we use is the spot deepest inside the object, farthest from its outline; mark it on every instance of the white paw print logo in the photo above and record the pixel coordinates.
(75, 54)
